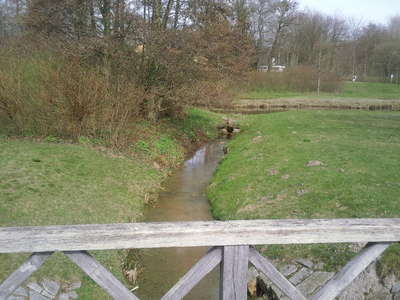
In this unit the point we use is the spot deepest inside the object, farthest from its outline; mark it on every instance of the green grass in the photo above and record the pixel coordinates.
(57, 184)
(372, 90)
(198, 124)
(359, 90)
(265, 173)
(48, 182)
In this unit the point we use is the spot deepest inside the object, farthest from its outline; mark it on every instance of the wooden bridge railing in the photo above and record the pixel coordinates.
(230, 244)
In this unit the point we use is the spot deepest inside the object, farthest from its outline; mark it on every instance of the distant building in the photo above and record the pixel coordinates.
(275, 68)
(278, 68)
(263, 68)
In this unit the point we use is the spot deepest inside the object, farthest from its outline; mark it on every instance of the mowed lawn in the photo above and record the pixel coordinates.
(265, 174)
(350, 90)
(374, 90)
(57, 184)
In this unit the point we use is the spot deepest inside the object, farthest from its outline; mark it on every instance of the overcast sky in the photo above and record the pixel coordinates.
(378, 11)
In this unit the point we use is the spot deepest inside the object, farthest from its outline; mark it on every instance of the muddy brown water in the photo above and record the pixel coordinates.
(183, 199)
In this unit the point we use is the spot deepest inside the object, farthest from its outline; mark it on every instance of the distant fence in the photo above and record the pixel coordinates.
(231, 248)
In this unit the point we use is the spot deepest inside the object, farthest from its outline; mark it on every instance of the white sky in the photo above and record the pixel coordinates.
(377, 11)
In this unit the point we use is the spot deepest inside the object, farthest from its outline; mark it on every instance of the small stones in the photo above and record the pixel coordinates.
(50, 286)
(314, 163)
(46, 289)
(357, 247)
(273, 172)
(266, 198)
(288, 270)
(75, 285)
(47, 295)
(33, 295)
(73, 295)
(315, 281)
(64, 296)
(156, 166)
(257, 139)
(389, 281)
(396, 288)
(341, 170)
(305, 263)
(35, 287)
(301, 192)
(300, 276)
(281, 197)
(285, 177)
(309, 279)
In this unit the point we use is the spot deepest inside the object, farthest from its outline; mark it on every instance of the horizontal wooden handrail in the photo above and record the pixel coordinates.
(194, 234)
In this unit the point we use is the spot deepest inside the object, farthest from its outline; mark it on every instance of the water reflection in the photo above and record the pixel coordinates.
(184, 199)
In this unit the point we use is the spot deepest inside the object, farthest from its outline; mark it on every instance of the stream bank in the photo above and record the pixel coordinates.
(183, 199)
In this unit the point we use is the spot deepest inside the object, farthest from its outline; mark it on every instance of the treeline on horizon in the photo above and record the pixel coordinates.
(74, 68)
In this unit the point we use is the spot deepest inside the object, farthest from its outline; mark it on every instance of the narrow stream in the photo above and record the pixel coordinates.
(184, 199)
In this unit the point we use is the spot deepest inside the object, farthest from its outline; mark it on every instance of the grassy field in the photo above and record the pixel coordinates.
(374, 90)
(265, 174)
(358, 90)
(49, 182)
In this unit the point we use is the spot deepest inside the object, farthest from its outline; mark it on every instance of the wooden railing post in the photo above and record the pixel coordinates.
(234, 266)
(76, 240)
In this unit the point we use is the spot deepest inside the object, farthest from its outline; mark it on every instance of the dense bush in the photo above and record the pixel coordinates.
(96, 89)
(299, 79)
(49, 95)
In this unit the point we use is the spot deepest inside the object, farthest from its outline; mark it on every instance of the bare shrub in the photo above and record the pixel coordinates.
(299, 79)
(52, 96)
(331, 83)
(54, 82)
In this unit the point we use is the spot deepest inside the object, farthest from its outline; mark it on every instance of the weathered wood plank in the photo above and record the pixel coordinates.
(193, 234)
(204, 266)
(234, 266)
(350, 271)
(101, 275)
(32, 264)
(263, 265)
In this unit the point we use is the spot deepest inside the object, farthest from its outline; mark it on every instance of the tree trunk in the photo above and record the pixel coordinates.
(105, 10)
(92, 18)
(117, 17)
(17, 8)
(167, 12)
(177, 12)
(272, 51)
(156, 18)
